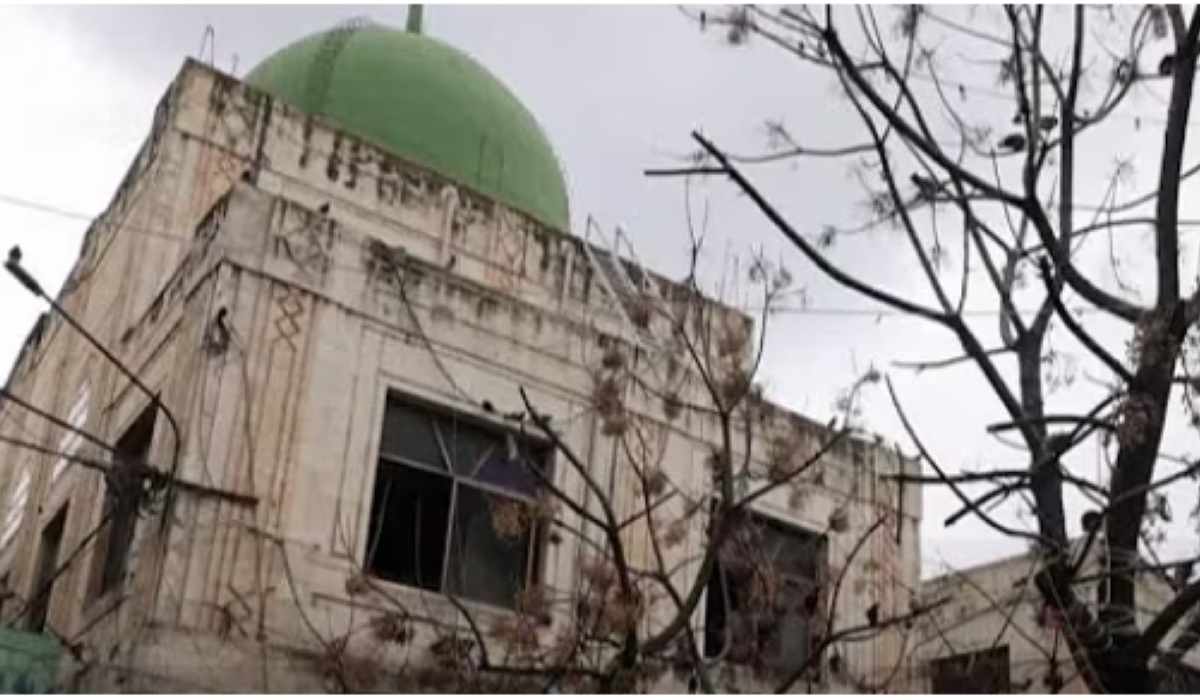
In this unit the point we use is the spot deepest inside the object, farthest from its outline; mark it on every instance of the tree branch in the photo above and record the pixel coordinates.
(807, 248)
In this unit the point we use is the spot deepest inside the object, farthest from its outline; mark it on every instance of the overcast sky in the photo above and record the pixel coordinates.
(617, 90)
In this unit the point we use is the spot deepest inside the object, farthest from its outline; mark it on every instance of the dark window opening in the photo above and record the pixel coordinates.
(122, 500)
(6, 597)
(974, 673)
(47, 565)
(763, 606)
(452, 503)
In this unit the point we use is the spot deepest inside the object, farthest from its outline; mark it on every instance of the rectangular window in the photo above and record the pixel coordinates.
(122, 499)
(6, 597)
(974, 673)
(18, 497)
(47, 566)
(764, 599)
(71, 441)
(451, 509)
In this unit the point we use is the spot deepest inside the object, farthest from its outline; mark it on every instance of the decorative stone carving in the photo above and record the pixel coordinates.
(449, 202)
(290, 309)
(308, 244)
(507, 254)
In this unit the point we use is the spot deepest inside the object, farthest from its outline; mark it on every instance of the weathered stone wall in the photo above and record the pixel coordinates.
(243, 210)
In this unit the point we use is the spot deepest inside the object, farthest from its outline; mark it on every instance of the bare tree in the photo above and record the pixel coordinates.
(1008, 190)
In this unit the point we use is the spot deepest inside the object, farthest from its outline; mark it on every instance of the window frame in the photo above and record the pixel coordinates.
(793, 531)
(41, 595)
(70, 442)
(7, 595)
(107, 575)
(439, 415)
(17, 505)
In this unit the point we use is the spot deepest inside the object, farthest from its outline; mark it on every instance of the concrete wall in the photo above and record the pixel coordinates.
(244, 206)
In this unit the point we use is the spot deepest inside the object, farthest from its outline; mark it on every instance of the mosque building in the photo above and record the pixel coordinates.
(281, 370)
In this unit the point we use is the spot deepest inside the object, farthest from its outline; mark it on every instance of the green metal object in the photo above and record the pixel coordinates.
(427, 102)
(416, 18)
(28, 662)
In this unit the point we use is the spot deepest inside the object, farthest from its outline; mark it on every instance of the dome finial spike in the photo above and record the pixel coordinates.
(416, 18)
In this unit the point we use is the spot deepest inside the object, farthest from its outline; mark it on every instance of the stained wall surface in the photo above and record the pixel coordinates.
(272, 279)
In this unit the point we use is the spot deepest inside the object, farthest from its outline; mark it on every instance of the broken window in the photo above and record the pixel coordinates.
(122, 500)
(763, 603)
(974, 673)
(47, 568)
(452, 506)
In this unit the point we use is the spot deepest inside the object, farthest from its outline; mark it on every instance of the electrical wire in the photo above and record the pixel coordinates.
(107, 468)
(806, 309)
(46, 586)
(97, 465)
(44, 208)
(52, 210)
(145, 471)
(7, 395)
(401, 284)
(279, 132)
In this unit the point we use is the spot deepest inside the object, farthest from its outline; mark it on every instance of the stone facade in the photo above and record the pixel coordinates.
(274, 279)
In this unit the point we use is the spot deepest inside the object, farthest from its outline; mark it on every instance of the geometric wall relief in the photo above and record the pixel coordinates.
(308, 246)
(291, 308)
(506, 259)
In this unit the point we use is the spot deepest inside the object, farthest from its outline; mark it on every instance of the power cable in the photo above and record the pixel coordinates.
(395, 267)
(46, 586)
(812, 310)
(44, 208)
(280, 133)
(78, 216)
(156, 476)
(7, 395)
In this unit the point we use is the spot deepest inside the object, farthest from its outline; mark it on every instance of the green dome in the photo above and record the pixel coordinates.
(428, 103)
